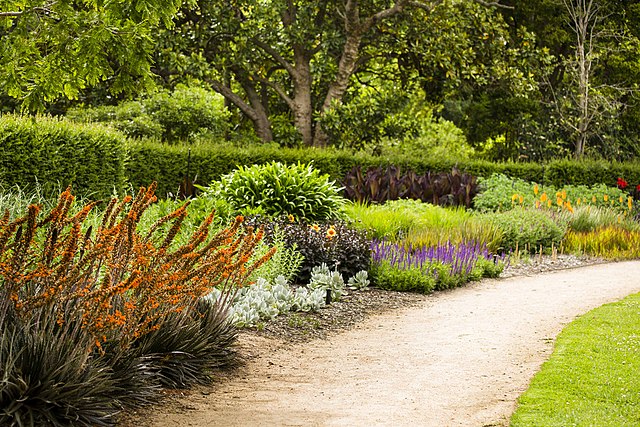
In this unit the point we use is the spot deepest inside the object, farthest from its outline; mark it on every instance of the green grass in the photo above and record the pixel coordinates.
(592, 377)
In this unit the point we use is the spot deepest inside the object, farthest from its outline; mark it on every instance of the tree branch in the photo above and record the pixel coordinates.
(279, 90)
(275, 55)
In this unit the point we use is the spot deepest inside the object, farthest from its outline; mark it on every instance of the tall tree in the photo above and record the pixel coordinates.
(53, 48)
(303, 54)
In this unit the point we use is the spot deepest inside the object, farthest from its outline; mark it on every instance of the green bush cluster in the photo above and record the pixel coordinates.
(276, 189)
(171, 116)
(527, 229)
(57, 153)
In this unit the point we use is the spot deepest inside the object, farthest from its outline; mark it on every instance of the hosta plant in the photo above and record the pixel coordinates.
(277, 189)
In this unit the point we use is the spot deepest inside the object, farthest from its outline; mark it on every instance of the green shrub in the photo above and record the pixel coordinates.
(387, 277)
(180, 115)
(277, 189)
(56, 153)
(527, 229)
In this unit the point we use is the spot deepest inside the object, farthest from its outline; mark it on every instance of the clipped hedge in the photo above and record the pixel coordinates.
(151, 160)
(56, 153)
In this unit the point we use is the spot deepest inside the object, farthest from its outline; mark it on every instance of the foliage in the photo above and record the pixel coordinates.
(55, 153)
(335, 244)
(500, 193)
(285, 262)
(53, 49)
(359, 281)
(592, 374)
(265, 300)
(328, 281)
(278, 189)
(610, 242)
(590, 218)
(108, 292)
(180, 115)
(379, 185)
(413, 279)
(450, 265)
(169, 164)
(527, 229)
(423, 224)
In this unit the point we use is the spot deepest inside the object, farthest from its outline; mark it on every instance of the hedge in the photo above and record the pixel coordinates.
(96, 160)
(149, 160)
(56, 153)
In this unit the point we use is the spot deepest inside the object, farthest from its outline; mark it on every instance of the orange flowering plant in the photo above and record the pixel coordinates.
(118, 282)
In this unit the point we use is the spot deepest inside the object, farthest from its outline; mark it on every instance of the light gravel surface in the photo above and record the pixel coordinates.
(456, 358)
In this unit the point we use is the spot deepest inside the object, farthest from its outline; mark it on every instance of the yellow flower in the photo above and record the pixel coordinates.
(521, 199)
(536, 189)
(291, 218)
(315, 227)
(537, 204)
(548, 203)
(544, 197)
(559, 201)
(578, 201)
(564, 194)
(630, 202)
(331, 232)
(621, 199)
(514, 198)
(606, 197)
(593, 199)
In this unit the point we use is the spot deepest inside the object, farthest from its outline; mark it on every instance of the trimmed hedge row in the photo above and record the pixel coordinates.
(167, 164)
(96, 160)
(57, 153)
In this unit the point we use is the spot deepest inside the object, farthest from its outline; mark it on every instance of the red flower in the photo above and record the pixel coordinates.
(638, 188)
(622, 184)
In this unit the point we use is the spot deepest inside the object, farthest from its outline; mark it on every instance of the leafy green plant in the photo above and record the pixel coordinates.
(359, 281)
(172, 116)
(590, 218)
(527, 229)
(413, 279)
(278, 189)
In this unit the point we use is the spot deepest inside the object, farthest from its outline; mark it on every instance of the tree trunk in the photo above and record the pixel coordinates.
(302, 103)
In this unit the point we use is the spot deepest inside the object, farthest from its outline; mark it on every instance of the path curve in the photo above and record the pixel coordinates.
(460, 359)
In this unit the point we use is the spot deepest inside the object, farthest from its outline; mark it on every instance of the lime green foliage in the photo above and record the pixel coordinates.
(591, 218)
(278, 189)
(57, 153)
(527, 229)
(500, 193)
(612, 242)
(413, 279)
(183, 114)
(422, 224)
(592, 377)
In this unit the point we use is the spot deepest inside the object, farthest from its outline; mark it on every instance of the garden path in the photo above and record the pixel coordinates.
(462, 358)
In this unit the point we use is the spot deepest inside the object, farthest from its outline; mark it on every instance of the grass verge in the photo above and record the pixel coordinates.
(592, 376)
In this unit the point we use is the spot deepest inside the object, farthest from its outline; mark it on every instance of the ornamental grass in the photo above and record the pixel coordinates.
(96, 317)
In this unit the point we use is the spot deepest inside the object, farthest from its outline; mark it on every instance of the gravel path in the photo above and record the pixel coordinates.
(459, 358)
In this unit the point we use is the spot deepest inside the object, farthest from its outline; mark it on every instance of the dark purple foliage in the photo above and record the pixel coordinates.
(381, 184)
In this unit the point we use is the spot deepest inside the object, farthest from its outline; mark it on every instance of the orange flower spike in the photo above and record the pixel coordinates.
(630, 202)
(536, 189)
(537, 204)
(543, 197)
(606, 197)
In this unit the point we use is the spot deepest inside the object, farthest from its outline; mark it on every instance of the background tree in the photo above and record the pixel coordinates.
(58, 48)
(285, 57)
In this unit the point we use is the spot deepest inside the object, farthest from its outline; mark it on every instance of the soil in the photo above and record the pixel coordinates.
(454, 358)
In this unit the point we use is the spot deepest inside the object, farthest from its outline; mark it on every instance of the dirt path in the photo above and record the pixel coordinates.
(460, 359)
